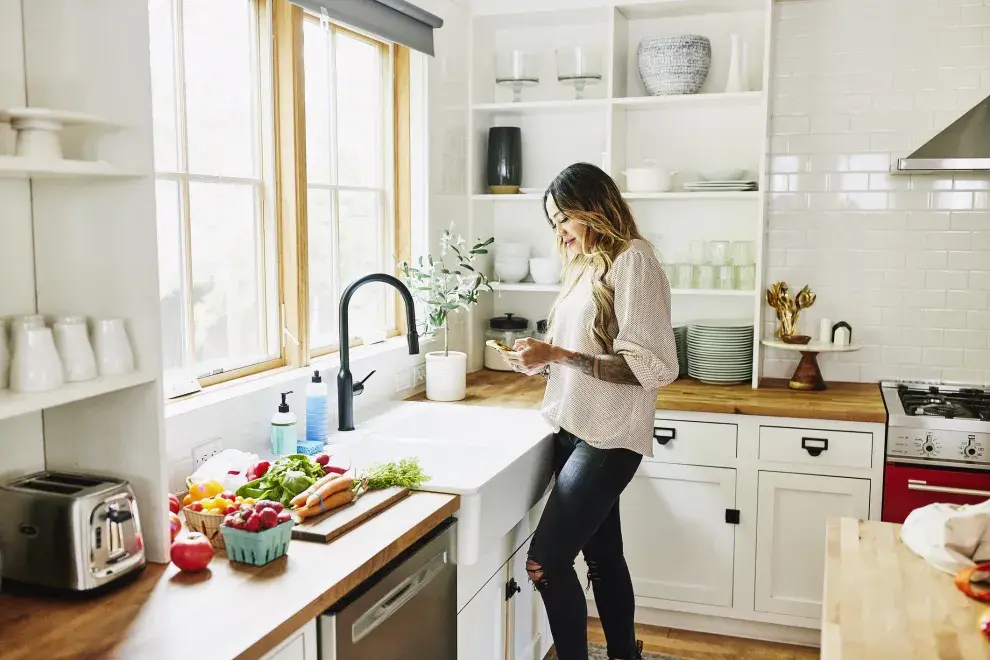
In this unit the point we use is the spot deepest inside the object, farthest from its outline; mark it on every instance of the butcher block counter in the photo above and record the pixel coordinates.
(845, 402)
(229, 611)
(883, 602)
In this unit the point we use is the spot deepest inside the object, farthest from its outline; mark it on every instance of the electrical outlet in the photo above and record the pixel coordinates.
(419, 374)
(403, 381)
(204, 451)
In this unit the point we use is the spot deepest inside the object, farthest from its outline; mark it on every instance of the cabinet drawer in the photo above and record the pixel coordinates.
(816, 447)
(690, 442)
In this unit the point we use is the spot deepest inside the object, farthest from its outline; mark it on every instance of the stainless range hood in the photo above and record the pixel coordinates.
(964, 146)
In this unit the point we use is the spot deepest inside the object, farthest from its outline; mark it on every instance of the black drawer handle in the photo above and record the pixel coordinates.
(814, 446)
(663, 435)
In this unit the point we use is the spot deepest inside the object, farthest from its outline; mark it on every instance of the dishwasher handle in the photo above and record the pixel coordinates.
(401, 594)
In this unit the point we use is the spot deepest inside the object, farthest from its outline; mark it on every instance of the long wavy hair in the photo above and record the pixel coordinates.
(587, 195)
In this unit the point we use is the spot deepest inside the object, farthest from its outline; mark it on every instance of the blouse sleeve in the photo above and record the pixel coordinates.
(642, 310)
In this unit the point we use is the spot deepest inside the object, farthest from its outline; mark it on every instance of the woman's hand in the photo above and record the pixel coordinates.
(530, 354)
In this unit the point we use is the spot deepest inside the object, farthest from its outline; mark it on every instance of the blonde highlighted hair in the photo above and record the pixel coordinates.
(586, 195)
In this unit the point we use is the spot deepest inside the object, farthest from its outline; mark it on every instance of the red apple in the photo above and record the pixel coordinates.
(174, 524)
(173, 503)
(192, 553)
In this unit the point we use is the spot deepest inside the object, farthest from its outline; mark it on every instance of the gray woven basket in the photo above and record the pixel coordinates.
(674, 65)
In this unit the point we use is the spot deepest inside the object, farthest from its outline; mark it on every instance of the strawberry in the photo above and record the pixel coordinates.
(230, 509)
(284, 516)
(253, 523)
(268, 518)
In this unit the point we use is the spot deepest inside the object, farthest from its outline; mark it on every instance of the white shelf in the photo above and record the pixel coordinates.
(688, 100)
(640, 9)
(660, 197)
(13, 404)
(572, 106)
(14, 166)
(531, 287)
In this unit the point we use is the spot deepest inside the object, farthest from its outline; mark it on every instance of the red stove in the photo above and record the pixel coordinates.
(938, 446)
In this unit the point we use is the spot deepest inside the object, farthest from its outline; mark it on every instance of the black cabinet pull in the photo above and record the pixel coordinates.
(663, 435)
(814, 446)
(511, 588)
(732, 516)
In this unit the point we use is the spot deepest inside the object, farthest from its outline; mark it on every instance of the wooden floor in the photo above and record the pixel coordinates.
(702, 646)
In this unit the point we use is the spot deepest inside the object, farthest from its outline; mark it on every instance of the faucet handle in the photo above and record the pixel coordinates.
(359, 386)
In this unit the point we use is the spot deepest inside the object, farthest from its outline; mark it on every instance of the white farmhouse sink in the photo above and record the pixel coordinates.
(498, 460)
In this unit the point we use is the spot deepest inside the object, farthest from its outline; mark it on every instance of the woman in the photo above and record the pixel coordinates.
(610, 348)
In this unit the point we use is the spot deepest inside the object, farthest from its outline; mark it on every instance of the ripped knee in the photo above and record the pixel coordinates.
(535, 571)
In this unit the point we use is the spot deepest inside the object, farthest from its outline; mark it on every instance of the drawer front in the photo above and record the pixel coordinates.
(676, 441)
(816, 447)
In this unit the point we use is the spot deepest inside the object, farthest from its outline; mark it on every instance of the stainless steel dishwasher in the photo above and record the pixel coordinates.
(406, 611)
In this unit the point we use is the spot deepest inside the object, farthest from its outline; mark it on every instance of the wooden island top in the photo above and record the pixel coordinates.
(883, 602)
(228, 611)
(846, 402)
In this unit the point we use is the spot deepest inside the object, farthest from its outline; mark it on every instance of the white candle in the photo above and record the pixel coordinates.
(825, 331)
(579, 64)
(517, 64)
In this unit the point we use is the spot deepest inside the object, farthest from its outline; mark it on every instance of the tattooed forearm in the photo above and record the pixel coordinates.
(610, 368)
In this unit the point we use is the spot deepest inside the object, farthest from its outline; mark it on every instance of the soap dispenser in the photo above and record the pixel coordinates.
(316, 417)
(283, 429)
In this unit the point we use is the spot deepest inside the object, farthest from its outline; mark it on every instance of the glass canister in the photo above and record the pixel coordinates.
(506, 329)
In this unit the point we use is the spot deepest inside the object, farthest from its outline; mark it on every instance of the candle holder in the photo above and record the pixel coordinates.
(579, 67)
(516, 69)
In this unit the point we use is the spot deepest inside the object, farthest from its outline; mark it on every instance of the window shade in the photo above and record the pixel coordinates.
(395, 20)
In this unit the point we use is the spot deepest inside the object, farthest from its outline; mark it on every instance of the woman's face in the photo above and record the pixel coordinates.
(571, 232)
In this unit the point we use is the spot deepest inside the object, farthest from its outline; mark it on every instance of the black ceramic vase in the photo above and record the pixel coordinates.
(504, 169)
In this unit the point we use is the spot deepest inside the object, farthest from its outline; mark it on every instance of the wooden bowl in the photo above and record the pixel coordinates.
(796, 339)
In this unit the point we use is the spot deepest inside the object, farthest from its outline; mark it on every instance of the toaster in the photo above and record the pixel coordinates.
(69, 531)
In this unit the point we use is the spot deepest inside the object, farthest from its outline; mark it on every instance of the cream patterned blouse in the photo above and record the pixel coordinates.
(610, 415)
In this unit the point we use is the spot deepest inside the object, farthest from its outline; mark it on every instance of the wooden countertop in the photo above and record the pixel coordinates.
(230, 611)
(883, 602)
(846, 402)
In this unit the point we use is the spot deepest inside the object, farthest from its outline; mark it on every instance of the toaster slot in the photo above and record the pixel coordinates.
(73, 480)
(51, 487)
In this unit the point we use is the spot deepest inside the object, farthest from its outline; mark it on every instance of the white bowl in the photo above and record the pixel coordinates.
(511, 250)
(511, 271)
(722, 175)
(544, 271)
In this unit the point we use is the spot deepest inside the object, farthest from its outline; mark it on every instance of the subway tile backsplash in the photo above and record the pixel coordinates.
(904, 259)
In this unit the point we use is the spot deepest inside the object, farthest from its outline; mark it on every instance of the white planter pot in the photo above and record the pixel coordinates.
(446, 376)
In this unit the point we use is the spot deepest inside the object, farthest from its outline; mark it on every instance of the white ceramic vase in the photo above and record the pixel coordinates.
(446, 376)
(35, 366)
(114, 356)
(72, 342)
(737, 76)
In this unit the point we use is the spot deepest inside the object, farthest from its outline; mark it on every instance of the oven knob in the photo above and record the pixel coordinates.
(971, 451)
(929, 448)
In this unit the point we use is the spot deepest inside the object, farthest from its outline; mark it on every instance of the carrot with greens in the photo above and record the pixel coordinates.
(334, 501)
(300, 499)
(328, 489)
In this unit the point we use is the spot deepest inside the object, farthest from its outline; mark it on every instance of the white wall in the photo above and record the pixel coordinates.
(242, 421)
(905, 260)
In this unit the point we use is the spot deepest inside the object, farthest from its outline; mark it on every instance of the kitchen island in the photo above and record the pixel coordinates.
(883, 602)
(843, 402)
(228, 611)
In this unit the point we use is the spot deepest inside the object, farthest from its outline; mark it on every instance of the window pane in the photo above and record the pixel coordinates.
(170, 272)
(220, 88)
(322, 296)
(165, 123)
(228, 304)
(316, 66)
(359, 112)
(360, 253)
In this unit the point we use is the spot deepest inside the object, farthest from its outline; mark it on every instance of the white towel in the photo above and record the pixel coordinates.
(950, 537)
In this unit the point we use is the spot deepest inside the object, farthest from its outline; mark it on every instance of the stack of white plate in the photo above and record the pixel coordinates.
(720, 351)
(720, 186)
(680, 338)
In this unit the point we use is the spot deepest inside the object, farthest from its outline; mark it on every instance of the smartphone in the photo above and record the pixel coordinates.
(494, 343)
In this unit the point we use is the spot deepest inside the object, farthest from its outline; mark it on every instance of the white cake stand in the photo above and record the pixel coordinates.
(808, 376)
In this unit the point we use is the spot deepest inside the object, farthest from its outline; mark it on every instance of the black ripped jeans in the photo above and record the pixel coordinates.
(582, 515)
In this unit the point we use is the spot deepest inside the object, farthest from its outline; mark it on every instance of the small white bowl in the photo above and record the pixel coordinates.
(511, 271)
(544, 270)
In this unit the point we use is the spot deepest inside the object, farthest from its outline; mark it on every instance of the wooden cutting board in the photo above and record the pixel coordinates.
(328, 526)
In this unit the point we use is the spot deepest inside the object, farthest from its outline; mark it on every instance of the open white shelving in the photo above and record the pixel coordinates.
(13, 404)
(17, 167)
(618, 126)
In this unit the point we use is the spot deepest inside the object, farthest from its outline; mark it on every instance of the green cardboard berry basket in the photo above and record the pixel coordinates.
(257, 548)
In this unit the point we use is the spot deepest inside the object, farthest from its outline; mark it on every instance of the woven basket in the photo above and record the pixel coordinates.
(208, 524)
(674, 65)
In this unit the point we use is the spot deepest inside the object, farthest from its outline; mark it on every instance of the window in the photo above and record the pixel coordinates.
(350, 179)
(228, 123)
(211, 106)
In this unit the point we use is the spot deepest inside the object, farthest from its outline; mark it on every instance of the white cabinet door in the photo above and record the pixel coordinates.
(790, 536)
(481, 624)
(526, 616)
(301, 645)
(677, 542)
